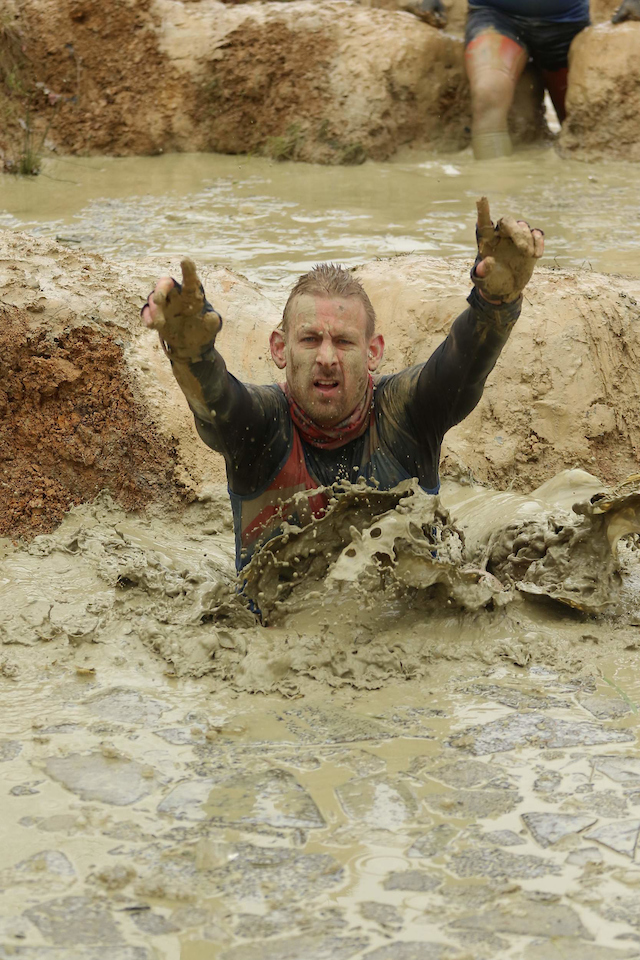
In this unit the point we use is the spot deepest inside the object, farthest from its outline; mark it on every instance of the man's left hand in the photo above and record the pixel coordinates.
(628, 10)
(507, 254)
(431, 11)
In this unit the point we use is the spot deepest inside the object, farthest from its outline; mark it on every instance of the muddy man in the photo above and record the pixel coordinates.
(500, 38)
(331, 420)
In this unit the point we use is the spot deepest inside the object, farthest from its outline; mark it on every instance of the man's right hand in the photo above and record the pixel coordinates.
(186, 322)
(628, 10)
(431, 11)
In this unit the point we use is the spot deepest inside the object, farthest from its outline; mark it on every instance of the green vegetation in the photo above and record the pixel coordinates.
(14, 83)
(211, 91)
(350, 154)
(353, 154)
(23, 148)
(29, 159)
(286, 147)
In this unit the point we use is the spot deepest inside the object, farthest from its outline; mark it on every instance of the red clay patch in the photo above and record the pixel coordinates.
(70, 427)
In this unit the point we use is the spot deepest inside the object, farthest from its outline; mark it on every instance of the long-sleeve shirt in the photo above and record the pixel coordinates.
(269, 464)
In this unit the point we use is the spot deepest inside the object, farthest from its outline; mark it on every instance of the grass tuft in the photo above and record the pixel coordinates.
(286, 147)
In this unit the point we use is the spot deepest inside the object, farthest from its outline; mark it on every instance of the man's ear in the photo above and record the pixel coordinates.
(277, 343)
(375, 352)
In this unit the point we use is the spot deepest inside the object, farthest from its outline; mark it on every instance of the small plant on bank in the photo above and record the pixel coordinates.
(349, 154)
(287, 146)
(353, 154)
(23, 152)
(29, 160)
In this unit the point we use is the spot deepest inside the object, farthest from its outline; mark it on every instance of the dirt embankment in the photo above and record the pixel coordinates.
(603, 101)
(303, 80)
(93, 80)
(310, 79)
(70, 426)
(89, 401)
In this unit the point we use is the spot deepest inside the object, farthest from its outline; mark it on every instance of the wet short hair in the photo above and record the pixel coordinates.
(330, 280)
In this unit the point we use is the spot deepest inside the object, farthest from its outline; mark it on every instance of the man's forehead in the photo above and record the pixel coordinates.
(309, 309)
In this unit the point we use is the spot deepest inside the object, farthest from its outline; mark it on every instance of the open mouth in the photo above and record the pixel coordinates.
(326, 387)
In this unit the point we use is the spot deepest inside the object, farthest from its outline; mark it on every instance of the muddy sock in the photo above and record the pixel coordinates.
(488, 146)
(556, 83)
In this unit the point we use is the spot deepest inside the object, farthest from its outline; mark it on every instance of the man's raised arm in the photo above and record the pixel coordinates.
(451, 382)
(232, 418)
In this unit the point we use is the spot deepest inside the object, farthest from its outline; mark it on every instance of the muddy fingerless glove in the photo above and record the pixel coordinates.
(628, 10)
(188, 324)
(509, 251)
(431, 11)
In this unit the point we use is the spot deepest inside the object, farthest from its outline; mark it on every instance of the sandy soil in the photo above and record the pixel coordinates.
(563, 392)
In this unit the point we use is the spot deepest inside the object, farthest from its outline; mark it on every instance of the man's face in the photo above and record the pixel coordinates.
(327, 355)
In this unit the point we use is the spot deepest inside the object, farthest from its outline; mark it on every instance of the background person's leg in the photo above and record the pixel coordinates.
(494, 64)
(556, 83)
(549, 44)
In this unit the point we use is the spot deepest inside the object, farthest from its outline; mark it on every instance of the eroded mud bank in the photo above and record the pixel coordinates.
(70, 426)
(295, 80)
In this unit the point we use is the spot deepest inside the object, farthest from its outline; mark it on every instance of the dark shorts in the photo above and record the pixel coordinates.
(546, 41)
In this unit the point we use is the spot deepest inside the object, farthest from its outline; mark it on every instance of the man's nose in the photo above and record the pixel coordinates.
(326, 354)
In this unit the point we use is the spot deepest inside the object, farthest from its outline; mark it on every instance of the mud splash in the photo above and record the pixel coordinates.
(367, 542)
(372, 542)
(385, 585)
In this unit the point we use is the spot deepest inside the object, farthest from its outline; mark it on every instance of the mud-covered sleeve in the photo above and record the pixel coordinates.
(452, 380)
(247, 424)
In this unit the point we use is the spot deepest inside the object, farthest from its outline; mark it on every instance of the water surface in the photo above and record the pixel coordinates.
(271, 221)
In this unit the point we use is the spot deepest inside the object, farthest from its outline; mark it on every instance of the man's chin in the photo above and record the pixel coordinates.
(325, 412)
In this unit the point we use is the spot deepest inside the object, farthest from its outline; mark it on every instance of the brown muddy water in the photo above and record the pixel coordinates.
(272, 221)
(389, 770)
